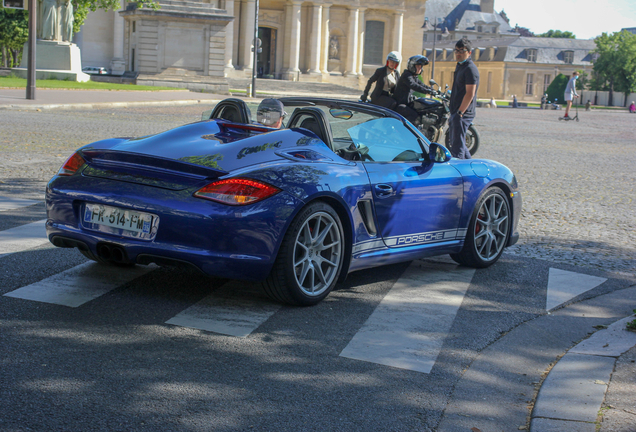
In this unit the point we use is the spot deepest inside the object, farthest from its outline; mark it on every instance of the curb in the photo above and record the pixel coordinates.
(573, 392)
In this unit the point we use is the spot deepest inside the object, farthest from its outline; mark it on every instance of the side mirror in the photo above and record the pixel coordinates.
(342, 114)
(437, 153)
(432, 82)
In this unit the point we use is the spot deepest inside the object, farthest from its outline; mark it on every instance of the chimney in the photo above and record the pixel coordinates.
(487, 6)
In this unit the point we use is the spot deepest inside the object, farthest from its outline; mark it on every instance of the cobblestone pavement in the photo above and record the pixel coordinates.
(577, 178)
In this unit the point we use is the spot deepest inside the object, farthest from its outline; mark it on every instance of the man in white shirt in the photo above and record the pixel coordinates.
(570, 93)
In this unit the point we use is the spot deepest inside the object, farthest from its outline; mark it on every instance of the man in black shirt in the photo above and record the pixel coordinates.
(463, 99)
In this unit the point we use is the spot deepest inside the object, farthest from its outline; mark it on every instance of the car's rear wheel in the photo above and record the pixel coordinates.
(310, 257)
(488, 231)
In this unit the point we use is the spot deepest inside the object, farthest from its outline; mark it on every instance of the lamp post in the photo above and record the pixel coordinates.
(255, 49)
(427, 26)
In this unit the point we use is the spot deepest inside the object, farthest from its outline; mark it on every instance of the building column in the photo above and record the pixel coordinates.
(362, 29)
(293, 55)
(229, 38)
(352, 45)
(118, 64)
(325, 38)
(398, 28)
(248, 9)
(315, 42)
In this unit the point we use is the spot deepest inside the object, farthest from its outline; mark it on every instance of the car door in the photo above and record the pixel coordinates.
(416, 202)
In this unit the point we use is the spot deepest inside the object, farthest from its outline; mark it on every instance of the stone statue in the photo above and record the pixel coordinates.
(67, 21)
(334, 48)
(49, 18)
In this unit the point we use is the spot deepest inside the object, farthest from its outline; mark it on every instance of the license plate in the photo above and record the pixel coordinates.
(120, 221)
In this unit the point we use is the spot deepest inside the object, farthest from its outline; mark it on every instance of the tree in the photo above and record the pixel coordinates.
(558, 34)
(556, 89)
(523, 31)
(14, 32)
(615, 67)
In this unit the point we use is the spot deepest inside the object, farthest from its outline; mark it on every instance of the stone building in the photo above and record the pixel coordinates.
(508, 63)
(204, 42)
(524, 66)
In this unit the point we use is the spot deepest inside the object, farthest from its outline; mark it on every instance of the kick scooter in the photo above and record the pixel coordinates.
(576, 117)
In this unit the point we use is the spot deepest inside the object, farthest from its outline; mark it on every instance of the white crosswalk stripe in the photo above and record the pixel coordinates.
(79, 285)
(7, 203)
(233, 310)
(23, 238)
(564, 285)
(409, 326)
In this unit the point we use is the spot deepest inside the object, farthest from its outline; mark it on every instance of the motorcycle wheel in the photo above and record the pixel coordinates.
(472, 140)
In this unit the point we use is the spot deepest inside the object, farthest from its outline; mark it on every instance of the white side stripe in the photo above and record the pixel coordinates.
(22, 238)
(409, 326)
(79, 285)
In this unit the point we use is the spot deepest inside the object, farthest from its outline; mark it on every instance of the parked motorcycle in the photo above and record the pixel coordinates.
(433, 115)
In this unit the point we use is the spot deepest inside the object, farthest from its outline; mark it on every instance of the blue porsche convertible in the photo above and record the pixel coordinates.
(342, 186)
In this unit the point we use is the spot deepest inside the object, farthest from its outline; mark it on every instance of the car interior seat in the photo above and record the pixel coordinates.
(314, 120)
(233, 110)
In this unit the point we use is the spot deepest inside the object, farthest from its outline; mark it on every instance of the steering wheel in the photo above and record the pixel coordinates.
(364, 153)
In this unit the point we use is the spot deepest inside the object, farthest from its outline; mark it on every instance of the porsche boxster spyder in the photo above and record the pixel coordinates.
(341, 187)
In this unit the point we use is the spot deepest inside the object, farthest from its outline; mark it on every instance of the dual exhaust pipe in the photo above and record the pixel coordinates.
(112, 252)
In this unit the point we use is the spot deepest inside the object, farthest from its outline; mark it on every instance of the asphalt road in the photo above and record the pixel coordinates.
(115, 363)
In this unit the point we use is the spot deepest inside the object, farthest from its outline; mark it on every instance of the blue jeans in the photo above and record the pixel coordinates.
(457, 127)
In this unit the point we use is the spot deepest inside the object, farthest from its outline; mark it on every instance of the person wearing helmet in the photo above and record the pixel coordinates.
(407, 84)
(386, 79)
(271, 113)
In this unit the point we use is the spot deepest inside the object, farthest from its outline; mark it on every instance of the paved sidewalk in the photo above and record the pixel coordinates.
(600, 370)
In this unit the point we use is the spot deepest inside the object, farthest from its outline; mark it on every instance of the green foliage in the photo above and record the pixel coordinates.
(615, 67)
(14, 32)
(556, 89)
(558, 34)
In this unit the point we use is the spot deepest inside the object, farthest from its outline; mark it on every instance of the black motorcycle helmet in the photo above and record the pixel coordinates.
(416, 60)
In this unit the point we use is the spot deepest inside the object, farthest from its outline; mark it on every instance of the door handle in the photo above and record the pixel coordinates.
(383, 190)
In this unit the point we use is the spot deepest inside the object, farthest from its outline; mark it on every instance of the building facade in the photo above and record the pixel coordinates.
(336, 41)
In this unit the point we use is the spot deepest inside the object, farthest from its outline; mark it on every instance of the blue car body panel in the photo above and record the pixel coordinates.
(391, 211)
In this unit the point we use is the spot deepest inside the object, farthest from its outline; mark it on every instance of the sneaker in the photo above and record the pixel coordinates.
(566, 115)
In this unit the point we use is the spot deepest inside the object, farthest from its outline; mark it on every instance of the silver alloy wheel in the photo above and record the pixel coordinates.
(491, 227)
(317, 251)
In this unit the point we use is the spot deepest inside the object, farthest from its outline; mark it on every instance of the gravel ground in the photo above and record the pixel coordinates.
(577, 178)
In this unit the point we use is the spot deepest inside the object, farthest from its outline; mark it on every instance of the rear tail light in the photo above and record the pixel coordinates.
(236, 191)
(72, 165)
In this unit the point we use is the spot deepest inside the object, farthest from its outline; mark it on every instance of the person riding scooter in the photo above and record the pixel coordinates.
(408, 83)
(386, 79)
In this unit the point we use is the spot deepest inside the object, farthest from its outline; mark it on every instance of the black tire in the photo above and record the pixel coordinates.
(310, 258)
(488, 231)
(472, 140)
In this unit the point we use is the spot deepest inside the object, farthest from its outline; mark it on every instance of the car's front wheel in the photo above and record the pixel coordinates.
(488, 231)
(310, 257)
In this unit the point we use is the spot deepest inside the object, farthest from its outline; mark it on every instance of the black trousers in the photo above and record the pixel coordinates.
(407, 112)
(384, 100)
(457, 127)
